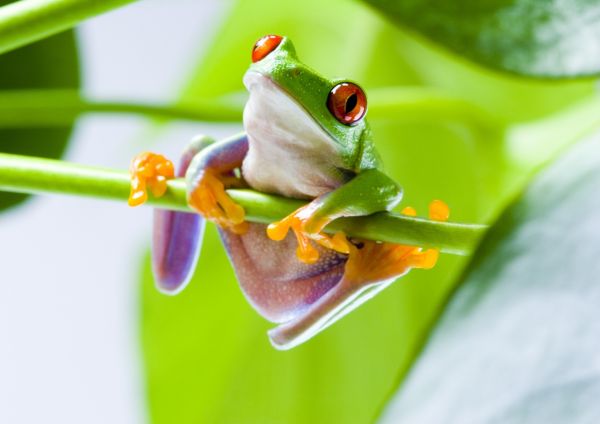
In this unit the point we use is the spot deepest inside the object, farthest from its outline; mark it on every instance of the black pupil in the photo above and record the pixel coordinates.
(351, 102)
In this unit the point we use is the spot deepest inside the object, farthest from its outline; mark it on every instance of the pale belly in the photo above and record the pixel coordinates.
(290, 173)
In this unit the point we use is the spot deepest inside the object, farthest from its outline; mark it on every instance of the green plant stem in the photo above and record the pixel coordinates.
(35, 108)
(56, 107)
(26, 21)
(33, 175)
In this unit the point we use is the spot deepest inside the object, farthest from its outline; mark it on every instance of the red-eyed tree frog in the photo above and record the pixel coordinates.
(305, 137)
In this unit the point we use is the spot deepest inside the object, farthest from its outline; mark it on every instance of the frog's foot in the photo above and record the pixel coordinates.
(149, 170)
(438, 211)
(371, 267)
(208, 197)
(307, 230)
(373, 261)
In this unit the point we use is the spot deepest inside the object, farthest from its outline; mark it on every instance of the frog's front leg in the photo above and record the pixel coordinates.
(209, 174)
(368, 192)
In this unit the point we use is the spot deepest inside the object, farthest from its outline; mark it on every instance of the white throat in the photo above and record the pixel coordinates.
(289, 153)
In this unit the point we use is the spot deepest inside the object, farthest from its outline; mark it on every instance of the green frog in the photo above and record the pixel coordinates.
(305, 137)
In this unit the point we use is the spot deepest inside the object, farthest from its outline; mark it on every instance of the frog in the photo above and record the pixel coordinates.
(305, 137)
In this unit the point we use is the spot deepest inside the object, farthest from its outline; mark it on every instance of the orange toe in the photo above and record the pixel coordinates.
(409, 211)
(308, 231)
(212, 201)
(149, 170)
(439, 211)
(425, 259)
(278, 230)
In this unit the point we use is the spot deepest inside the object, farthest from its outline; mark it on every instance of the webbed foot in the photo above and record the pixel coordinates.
(373, 261)
(149, 170)
(210, 199)
(383, 260)
(308, 229)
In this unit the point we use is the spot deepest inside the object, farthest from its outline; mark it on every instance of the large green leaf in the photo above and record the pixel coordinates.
(539, 38)
(518, 343)
(51, 63)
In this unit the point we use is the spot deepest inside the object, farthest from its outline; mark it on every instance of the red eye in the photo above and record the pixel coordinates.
(347, 102)
(264, 46)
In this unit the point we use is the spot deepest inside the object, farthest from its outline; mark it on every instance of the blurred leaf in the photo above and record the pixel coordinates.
(206, 353)
(518, 342)
(527, 37)
(507, 97)
(51, 63)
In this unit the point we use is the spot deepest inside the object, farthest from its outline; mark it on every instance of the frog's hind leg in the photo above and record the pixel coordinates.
(276, 284)
(177, 236)
(370, 268)
(208, 167)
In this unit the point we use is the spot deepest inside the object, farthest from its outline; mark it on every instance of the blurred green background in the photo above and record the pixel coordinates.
(206, 353)
(474, 134)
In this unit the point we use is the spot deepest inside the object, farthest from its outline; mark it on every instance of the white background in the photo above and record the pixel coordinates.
(69, 308)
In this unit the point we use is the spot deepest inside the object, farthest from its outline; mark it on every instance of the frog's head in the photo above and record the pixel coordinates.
(337, 106)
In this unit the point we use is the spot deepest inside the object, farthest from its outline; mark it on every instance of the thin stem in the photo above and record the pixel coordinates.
(33, 175)
(26, 21)
(49, 107)
(57, 107)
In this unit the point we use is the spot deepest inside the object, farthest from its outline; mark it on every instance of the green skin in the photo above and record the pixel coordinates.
(369, 189)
